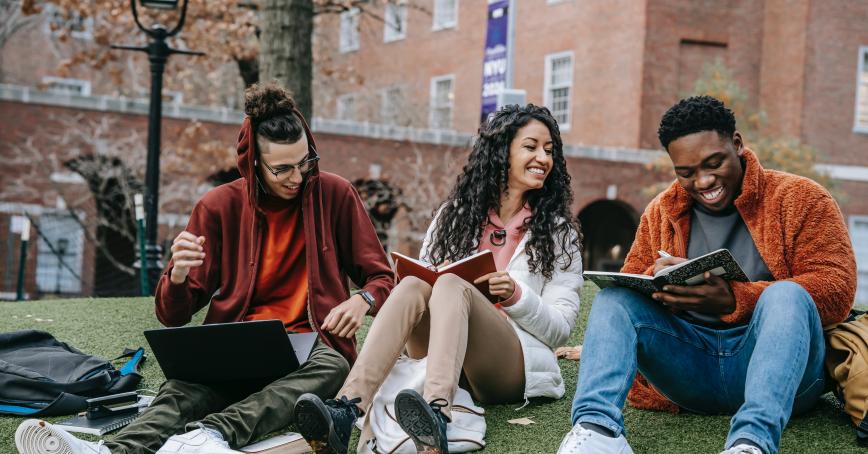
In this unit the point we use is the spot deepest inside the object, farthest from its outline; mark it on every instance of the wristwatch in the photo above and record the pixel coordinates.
(368, 299)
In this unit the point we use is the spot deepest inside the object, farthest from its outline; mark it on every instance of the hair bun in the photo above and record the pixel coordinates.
(265, 100)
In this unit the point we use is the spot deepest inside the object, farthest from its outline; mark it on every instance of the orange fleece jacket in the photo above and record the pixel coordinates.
(798, 230)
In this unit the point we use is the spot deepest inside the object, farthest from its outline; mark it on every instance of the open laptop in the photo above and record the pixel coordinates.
(226, 352)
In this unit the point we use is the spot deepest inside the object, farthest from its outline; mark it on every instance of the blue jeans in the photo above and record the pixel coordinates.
(761, 372)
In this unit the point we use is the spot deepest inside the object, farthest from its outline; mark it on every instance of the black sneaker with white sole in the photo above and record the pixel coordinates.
(326, 425)
(424, 422)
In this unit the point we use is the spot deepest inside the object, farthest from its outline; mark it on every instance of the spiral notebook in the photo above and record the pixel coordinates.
(101, 426)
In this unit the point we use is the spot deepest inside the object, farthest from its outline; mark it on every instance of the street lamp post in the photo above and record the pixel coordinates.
(158, 53)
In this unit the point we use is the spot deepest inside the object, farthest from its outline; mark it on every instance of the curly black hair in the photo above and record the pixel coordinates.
(555, 234)
(272, 113)
(695, 114)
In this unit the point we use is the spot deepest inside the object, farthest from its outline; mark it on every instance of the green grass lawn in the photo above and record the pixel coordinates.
(106, 326)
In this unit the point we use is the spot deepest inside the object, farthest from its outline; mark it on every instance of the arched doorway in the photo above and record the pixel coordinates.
(609, 227)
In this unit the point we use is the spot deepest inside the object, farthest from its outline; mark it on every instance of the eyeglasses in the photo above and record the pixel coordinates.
(304, 167)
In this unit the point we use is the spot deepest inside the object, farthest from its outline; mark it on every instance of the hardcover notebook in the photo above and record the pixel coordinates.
(720, 263)
(101, 426)
(468, 268)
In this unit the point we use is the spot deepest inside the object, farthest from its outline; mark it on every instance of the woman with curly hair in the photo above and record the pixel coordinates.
(512, 198)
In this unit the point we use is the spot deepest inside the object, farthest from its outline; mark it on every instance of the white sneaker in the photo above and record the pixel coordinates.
(39, 437)
(200, 441)
(583, 441)
(743, 449)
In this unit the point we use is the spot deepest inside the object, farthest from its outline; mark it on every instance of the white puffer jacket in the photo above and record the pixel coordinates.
(543, 317)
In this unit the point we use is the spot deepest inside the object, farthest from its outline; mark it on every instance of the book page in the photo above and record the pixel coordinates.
(272, 442)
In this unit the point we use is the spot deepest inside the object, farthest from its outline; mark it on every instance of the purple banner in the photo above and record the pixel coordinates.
(495, 62)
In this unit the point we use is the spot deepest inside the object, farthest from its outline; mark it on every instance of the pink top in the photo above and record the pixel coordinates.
(504, 247)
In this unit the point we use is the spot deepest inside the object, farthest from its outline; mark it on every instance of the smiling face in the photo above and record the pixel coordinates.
(278, 155)
(530, 157)
(709, 167)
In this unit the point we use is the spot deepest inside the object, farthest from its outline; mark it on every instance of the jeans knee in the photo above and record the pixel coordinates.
(618, 299)
(786, 294)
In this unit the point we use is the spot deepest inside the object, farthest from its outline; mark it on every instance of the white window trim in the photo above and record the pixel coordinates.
(397, 35)
(433, 96)
(861, 70)
(446, 25)
(351, 14)
(860, 268)
(340, 101)
(547, 85)
(384, 105)
(83, 84)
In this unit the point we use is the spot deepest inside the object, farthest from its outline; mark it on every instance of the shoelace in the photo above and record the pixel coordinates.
(579, 434)
(350, 404)
(437, 405)
(213, 434)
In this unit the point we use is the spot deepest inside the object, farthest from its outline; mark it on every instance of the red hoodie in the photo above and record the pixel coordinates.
(340, 243)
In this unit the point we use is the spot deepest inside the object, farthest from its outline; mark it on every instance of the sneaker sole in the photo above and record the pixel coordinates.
(37, 437)
(316, 426)
(417, 418)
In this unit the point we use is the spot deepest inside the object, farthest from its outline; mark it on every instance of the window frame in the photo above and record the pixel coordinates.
(340, 107)
(85, 85)
(453, 24)
(353, 17)
(391, 34)
(547, 86)
(861, 71)
(386, 106)
(433, 97)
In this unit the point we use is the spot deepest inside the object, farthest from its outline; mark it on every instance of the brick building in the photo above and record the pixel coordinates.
(397, 94)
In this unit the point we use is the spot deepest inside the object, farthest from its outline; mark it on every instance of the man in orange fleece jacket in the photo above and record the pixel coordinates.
(753, 349)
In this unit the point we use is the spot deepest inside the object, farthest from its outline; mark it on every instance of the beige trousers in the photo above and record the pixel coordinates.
(457, 328)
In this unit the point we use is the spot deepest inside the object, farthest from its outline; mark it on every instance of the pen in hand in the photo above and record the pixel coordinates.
(664, 253)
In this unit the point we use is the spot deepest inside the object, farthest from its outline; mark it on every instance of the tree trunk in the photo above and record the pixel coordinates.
(286, 49)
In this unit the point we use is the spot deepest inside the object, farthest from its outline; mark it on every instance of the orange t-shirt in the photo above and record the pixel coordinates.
(281, 282)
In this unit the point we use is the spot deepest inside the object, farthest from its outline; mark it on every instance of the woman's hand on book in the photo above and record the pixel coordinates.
(500, 284)
(713, 297)
(187, 252)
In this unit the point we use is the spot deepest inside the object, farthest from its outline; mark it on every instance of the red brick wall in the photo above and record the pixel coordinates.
(835, 32)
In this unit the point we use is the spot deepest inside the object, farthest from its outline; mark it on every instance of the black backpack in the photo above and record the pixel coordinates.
(41, 376)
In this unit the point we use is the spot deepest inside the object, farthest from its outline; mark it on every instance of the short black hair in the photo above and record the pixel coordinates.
(695, 114)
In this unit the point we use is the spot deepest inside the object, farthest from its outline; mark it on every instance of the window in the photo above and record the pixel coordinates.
(394, 22)
(349, 40)
(346, 107)
(558, 87)
(861, 124)
(60, 249)
(441, 102)
(859, 237)
(67, 86)
(445, 14)
(393, 106)
(60, 23)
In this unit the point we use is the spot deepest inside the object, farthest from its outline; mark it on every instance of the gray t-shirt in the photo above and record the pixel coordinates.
(711, 231)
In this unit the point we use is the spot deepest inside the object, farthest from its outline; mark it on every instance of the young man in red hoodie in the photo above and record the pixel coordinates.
(281, 242)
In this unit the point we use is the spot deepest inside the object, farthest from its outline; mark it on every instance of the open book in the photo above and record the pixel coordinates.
(468, 268)
(692, 272)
